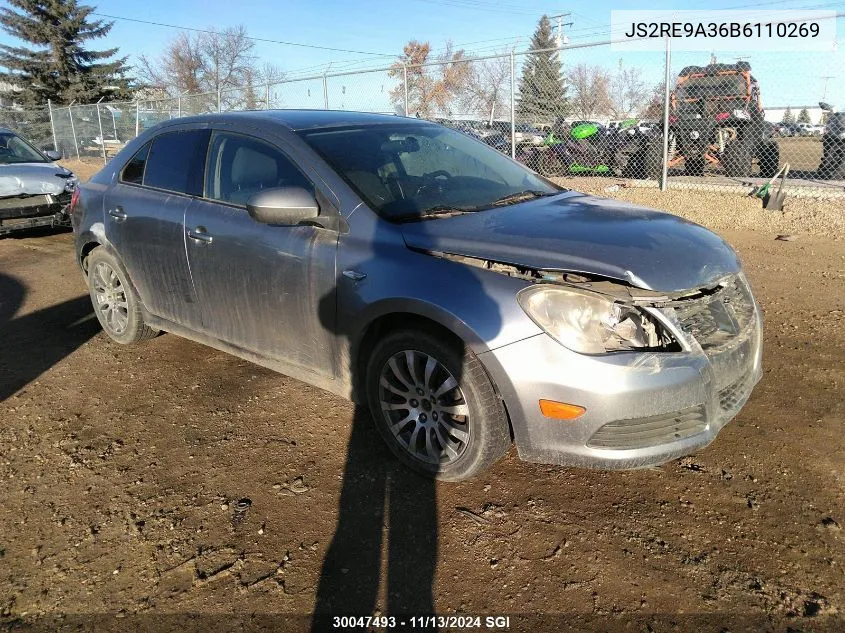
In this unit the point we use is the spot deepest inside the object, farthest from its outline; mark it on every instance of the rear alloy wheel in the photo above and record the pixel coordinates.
(435, 406)
(115, 304)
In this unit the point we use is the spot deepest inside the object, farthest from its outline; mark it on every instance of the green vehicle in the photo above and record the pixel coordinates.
(585, 148)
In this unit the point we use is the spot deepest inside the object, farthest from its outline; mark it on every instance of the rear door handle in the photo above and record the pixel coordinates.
(199, 236)
(118, 214)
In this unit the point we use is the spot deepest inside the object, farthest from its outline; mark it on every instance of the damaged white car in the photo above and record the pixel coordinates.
(34, 190)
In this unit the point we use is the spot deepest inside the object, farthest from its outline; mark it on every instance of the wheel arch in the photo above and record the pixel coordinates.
(89, 242)
(423, 316)
(394, 314)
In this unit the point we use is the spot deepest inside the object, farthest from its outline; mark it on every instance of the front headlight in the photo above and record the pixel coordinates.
(587, 322)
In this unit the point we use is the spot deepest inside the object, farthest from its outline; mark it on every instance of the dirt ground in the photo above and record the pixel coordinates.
(123, 468)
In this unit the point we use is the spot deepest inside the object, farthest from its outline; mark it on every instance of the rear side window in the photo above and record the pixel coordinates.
(240, 166)
(133, 171)
(175, 162)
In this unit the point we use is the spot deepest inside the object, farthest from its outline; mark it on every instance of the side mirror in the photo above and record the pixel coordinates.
(53, 154)
(825, 106)
(282, 205)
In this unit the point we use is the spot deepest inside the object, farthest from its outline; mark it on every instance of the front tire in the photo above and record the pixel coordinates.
(435, 406)
(736, 159)
(115, 303)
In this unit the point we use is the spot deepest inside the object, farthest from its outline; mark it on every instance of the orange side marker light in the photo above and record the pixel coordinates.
(561, 410)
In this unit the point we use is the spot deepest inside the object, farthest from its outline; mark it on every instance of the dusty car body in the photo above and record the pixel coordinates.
(589, 331)
(34, 190)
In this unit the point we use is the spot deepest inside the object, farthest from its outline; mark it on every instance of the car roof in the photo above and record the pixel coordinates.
(298, 120)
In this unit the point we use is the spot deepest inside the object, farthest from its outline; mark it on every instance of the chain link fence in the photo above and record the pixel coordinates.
(732, 122)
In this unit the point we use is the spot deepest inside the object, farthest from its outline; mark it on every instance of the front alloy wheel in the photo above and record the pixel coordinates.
(434, 405)
(424, 407)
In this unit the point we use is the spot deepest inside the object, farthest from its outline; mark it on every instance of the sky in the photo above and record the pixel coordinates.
(376, 31)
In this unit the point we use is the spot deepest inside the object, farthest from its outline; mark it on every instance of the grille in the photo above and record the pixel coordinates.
(734, 395)
(651, 431)
(718, 318)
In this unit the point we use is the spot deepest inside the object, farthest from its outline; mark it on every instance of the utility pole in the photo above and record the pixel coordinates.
(826, 79)
(561, 40)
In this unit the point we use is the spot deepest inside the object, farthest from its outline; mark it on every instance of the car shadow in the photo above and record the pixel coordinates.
(384, 505)
(33, 343)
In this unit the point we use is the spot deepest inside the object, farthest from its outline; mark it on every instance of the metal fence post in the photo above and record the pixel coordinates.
(219, 102)
(179, 107)
(664, 173)
(73, 131)
(405, 81)
(325, 92)
(52, 125)
(137, 118)
(267, 97)
(102, 136)
(513, 107)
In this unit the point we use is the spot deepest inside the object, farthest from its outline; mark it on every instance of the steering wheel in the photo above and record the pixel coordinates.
(435, 180)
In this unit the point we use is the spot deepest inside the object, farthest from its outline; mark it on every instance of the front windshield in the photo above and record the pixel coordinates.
(412, 170)
(13, 149)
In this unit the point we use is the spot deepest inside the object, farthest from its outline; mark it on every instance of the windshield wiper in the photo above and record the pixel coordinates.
(439, 211)
(521, 196)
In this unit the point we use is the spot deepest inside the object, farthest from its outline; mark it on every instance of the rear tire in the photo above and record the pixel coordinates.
(449, 433)
(646, 163)
(768, 158)
(548, 164)
(116, 305)
(832, 167)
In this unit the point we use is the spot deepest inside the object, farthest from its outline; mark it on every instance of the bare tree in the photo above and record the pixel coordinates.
(589, 91)
(208, 62)
(431, 89)
(629, 94)
(653, 107)
(178, 69)
(226, 58)
(488, 88)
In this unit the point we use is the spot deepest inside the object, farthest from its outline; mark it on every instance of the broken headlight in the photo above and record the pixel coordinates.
(590, 323)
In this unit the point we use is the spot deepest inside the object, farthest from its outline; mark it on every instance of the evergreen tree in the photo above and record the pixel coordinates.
(804, 116)
(54, 63)
(542, 94)
(788, 117)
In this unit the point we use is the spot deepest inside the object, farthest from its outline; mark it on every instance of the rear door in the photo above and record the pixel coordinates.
(145, 220)
(267, 289)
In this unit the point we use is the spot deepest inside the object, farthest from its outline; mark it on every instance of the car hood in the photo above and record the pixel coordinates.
(585, 234)
(30, 179)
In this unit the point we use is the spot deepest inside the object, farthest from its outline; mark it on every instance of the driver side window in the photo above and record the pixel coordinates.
(240, 166)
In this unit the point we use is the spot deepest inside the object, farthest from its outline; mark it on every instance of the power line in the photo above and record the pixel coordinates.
(254, 39)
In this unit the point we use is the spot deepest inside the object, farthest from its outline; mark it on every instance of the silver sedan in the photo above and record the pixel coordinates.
(467, 301)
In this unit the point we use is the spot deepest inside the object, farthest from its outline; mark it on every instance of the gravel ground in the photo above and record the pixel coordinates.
(729, 212)
(123, 468)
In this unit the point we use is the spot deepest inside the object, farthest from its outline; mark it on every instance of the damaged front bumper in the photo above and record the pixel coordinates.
(17, 213)
(642, 409)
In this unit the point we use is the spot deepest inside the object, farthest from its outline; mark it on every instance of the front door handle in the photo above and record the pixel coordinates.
(354, 275)
(118, 214)
(199, 236)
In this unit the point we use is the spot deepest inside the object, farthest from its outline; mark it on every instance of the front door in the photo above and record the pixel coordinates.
(145, 219)
(267, 289)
